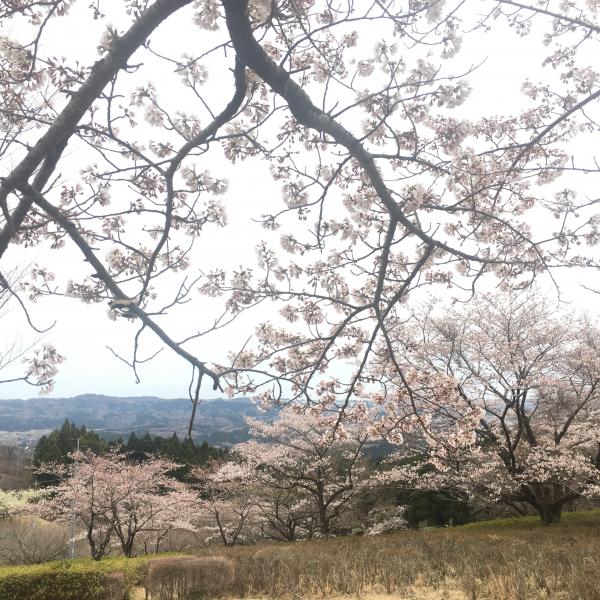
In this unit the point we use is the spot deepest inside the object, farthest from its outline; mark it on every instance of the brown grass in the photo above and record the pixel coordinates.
(189, 577)
(514, 560)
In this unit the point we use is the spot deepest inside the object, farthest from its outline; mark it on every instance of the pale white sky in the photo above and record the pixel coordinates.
(82, 332)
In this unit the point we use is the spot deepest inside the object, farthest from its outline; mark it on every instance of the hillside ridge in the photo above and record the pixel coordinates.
(219, 421)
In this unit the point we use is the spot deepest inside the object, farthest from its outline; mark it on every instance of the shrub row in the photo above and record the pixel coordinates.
(62, 581)
(82, 579)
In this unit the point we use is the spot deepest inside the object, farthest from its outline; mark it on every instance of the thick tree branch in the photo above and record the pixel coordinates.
(65, 123)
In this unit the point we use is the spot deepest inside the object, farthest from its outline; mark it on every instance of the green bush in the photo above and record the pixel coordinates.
(61, 582)
(111, 578)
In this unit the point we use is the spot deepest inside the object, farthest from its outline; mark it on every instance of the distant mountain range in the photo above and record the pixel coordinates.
(220, 422)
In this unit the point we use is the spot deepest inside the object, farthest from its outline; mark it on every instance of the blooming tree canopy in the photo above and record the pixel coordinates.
(310, 456)
(120, 154)
(522, 424)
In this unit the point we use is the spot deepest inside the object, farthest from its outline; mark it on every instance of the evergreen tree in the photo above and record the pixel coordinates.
(185, 452)
(60, 443)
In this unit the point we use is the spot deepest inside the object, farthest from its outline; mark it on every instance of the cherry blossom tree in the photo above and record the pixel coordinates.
(226, 506)
(386, 520)
(239, 503)
(520, 420)
(112, 497)
(170, 514)
(79, 497)
(284, 514)
(314, 461)
(300, 476)
(146, 499)
(381, 184)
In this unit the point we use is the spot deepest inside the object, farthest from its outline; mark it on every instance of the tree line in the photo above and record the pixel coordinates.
(60, 444)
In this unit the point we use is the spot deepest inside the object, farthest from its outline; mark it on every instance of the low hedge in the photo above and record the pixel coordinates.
(62, 581)
(82, 579)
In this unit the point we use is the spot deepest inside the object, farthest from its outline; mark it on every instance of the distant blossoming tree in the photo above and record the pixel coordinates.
(226, 503)
(522, 422)
(312, 458)
(284, 513)
(114, 498)
(386, 520)
(238, 504)
(304, 474)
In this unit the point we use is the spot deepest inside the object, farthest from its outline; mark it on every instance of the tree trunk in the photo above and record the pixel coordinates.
(128, 548)
(97, 553)
(548, 499)
(323, 521)
(291, 532)
(550, 514)
(322, 509)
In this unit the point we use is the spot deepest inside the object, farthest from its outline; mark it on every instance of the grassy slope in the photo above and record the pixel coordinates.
(572, 520)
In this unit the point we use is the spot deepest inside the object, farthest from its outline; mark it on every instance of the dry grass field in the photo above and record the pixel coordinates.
(515, 559)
